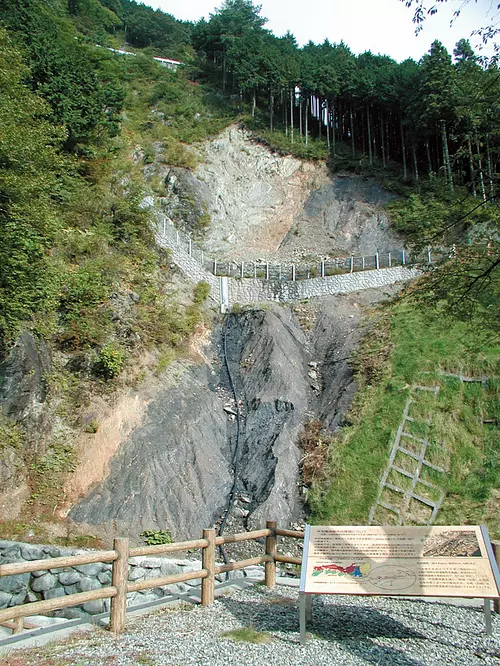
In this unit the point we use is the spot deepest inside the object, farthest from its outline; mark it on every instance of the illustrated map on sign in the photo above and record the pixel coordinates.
(436, 561)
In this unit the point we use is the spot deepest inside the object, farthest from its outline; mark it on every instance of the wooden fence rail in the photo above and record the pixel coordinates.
(120, 587)
(119, 557)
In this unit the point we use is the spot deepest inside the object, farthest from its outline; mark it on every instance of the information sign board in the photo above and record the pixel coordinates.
(452, 561)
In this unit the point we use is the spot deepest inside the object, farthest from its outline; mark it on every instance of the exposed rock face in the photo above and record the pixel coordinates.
(23, 392)
(346, 212)
(23, 388)
(268, 362)
(172, 473)
(262, 204)
(251, 194)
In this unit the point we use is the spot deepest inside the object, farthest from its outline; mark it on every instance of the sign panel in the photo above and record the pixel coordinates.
(454, 561)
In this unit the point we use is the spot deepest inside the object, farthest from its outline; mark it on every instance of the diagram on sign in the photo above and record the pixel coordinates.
(387, 577)
(352, 571)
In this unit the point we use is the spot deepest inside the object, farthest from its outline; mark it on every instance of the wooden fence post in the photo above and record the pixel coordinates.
(119, 580)
(496, 551)
(270, 574)
(18, 625)
(208, 563)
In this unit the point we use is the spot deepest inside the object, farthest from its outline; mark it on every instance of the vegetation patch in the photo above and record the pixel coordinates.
(248, 635)
(417, 347)
(155, 537)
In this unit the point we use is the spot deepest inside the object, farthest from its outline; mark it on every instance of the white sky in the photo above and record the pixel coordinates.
(380, 26)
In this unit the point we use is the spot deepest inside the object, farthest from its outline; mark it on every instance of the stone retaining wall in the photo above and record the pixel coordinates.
(250, 290)
(188, 264)
(51, 583)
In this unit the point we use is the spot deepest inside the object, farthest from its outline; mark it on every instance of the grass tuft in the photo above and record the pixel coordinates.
(247, 635)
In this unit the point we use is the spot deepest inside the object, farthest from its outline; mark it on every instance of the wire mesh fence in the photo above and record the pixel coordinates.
(290, 271)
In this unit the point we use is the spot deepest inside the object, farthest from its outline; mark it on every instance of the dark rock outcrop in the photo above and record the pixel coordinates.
(268, 363)
(172, 473)
(23, 385)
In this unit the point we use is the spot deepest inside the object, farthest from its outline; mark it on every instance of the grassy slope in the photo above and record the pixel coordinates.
(408, 348)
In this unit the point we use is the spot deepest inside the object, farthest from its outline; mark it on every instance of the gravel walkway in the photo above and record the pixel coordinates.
(345, 630)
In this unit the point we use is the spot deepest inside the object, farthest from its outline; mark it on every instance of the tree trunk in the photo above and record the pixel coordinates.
(352, 135)
(224, 71)
(446, 154)
(415, 165)
(307, 120)
(471, 169)
(369, 132)
(254, 102)
(481, 176)
(333, 127)
(320, 115)
(292, 92)
(328, 126)
(403, 149)
(387, 136)
(271, 110)
(300, 114)
(429, 160)
(490, 172)
(382, 140)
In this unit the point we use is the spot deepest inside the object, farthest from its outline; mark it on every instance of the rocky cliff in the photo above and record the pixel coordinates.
(167, 455)
(261, 204)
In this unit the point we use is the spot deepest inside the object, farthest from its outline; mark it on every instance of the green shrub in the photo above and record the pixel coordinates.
(201, 292)
(110, 362)
(156, 537)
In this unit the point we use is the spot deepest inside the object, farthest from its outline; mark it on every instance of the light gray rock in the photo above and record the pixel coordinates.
(136, 573)
(69, 577)
(29, 552)
(44, 583)
(54, 593)
(88, 584)
(104, 577)
(5, 598)
(151, 563)
(89, 569)
(18, 599)
(94, 607)
(14, 584)
(72, 589)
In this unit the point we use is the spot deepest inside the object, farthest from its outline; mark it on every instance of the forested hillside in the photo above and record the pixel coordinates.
(81, 123)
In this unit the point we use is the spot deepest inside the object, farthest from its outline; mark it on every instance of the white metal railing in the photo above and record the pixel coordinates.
(290, 271)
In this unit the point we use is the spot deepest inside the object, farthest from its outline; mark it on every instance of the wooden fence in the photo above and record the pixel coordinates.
(14, 617)
(120, 587)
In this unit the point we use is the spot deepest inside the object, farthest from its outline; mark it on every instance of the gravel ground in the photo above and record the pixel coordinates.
(344, 630)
